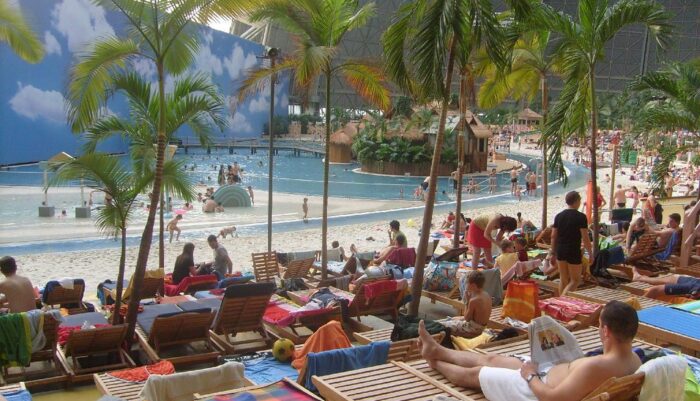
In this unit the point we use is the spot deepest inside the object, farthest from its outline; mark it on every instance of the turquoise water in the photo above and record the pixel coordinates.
(292, 174)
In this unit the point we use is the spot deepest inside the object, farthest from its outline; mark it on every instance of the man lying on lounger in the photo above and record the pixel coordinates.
(515, 378)
(673, 284)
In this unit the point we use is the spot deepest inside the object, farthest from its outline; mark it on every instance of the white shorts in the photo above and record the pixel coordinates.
(501, 384)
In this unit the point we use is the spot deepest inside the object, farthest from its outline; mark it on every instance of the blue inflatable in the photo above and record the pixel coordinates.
(232, 196)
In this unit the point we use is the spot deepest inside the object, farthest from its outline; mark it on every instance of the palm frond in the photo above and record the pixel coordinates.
(177, 181)
(368, 82)
(628, 12)
(257, 78)
(15, 31)
(103, 129)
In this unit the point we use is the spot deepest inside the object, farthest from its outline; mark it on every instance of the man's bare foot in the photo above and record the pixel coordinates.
(353, 249)
(427, 343)
(636, 276)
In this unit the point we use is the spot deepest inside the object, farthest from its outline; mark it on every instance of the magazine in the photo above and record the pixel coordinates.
(551, 344)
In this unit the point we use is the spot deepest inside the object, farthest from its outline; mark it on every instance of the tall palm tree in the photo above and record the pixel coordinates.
(195, 102)
(319, 27)
(530, 65)
(15, 31)
(580, 47)
(107, 174)
(158, 31)
(426, 41)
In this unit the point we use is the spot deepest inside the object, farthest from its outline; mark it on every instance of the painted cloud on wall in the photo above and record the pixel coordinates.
(36, 104)
(80, 22)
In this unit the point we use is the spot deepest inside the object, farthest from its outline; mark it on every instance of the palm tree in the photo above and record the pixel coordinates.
(530, 65)
(425, 42)
(161, 32)
(194, 102)
(580, 48)
(107, 174)
(319, 27)
(15, 32)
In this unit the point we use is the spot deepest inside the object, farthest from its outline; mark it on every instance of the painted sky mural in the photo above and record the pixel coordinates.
(32, 103)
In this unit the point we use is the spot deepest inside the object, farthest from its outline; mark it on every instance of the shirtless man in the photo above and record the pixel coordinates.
(16, 292)
(478, 310)
(532, 184)
(493, 181)
(620, 197)
(236, 173)
(515, 378)
(673, 285)
(172, 227)
(674, 223)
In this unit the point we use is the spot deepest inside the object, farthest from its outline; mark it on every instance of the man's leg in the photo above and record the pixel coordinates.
(563, 275)
(575, 279)
(670, 279)
(476, 256)
(178, 234)
(171, 236)
(458, 375)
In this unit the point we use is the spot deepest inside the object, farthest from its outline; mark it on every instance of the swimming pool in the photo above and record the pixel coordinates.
(292, 174)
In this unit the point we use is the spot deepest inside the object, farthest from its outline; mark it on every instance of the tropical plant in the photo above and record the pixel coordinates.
(194, 102)
(161, 32)
(580, 46)
(403, 106)
(15, 31)
(107, 174)
(530, 66)
(319, 27)
(424, 44)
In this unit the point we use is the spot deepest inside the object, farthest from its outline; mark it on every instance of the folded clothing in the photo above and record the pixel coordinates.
(345, 359)
(565, 308)
(141, 373)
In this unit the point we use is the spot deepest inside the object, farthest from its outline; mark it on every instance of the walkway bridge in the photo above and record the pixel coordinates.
(297, 147)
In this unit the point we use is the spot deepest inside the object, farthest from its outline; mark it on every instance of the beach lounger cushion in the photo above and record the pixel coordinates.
(92, 318)
(146, 318)
(249, 290)
(671, 319)
(201, 305)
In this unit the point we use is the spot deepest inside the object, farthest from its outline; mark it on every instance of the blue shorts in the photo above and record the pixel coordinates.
(684, 286)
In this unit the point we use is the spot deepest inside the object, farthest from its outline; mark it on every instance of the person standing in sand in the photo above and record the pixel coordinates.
(493, 181)
(305, 209)
(16, 292)
(513, 180)
(620, 197)
(172, 227)
(480, 234)
(252, 196)
(570, 228)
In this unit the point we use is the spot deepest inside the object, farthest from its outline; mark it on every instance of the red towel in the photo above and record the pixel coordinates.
(565, 308)
(274, 313)
(378, 288)
(404, 257)
(64, 332)
(172, 290)
(140, 374)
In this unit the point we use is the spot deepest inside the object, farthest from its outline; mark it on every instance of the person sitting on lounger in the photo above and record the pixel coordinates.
(478, 310)
(184, 264)
(635, 232)
(16, 292)
(399, 242)
(673, 285)
(515, 378)
(674, 223)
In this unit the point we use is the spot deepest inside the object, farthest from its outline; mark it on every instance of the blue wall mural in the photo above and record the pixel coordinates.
(32, 103)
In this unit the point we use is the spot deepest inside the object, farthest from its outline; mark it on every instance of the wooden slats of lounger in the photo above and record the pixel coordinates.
(265, 266)
(119, 388)
(299, 268)
(89, 342)
(602, 295)
(636, 287)
(692, 270)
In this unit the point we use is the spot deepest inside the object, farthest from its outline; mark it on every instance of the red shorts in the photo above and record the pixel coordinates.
(476, 237)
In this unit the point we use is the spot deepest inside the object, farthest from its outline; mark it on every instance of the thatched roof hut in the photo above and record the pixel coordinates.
(340, 147)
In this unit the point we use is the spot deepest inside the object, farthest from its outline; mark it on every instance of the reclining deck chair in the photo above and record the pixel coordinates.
(298, 269)
(642, 257)
(165, 326)
(153, 283)
(265, 266)
(107, 340)
(46, 354)
(69, 298)
(386, 303)
(241, 310)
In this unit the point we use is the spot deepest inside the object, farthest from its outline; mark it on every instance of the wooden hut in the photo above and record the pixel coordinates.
(476, 144)
(340, 147)
(529, 118)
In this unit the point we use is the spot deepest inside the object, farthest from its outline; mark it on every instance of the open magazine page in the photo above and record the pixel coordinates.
(551, 343)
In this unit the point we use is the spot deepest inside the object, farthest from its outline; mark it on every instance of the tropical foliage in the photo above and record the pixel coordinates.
(161, 32)
(15, 31)
(580, 46)
(319, 27)
(396, 150)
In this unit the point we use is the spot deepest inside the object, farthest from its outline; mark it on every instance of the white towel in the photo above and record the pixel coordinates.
(182, 386)
(66, 283)
(664, 379)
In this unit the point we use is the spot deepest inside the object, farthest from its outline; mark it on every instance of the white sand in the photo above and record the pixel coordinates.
(97, 265)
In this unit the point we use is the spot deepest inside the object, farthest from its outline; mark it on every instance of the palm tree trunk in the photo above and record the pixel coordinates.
(417, 283)
(116, 318)
(147, 236)
(545, 166)
(594, 164)
(161, 234)
(464, 100)
(326, 165)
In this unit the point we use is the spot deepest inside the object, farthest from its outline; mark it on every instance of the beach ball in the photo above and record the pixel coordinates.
(283, 349)
(411, 223)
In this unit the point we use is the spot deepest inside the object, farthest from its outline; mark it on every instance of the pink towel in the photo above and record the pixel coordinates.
(565, 308)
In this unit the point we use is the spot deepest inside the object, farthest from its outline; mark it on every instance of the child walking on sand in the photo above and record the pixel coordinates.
(478, 310)
(172, 227)
(305, 209)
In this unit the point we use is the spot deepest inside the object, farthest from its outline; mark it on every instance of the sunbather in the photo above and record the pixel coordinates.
(478, 310)
(674, 285)
(515, 378)
(16, 292)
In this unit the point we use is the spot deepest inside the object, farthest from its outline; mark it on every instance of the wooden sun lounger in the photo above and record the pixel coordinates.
(178, 329)
(63, 296)
(299, 268)
(642, 257)
(602, 295)
(265, 266)
(304, 326)
(384, 304)
(151, 287)
(99, 341)
(202, 397)
(692, 270)
(241, 314)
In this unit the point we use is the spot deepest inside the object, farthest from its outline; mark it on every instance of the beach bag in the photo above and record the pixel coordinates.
(521, 300)
(440, 276)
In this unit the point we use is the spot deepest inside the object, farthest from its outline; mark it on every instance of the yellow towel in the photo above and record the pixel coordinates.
(464, 344)
(156, 273)
(634, 302)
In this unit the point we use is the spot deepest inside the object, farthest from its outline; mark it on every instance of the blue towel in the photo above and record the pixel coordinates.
(267, 370)
(617, 255)
(671, 319)
(345, 359)
(668, 251)
(236, 280)
(19, 395)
